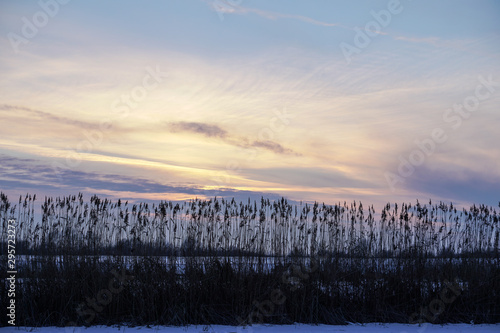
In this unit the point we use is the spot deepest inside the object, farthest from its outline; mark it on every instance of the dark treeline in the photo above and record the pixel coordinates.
(223, 262)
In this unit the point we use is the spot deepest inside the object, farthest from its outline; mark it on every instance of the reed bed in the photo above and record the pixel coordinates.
(214, 261)
(71, 225)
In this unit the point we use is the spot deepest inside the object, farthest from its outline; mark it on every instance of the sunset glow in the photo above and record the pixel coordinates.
(182, 99)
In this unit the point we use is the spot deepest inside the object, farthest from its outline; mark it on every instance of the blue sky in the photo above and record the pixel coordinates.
(171, 100)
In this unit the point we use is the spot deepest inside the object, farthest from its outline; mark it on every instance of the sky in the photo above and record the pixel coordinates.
(328, 101)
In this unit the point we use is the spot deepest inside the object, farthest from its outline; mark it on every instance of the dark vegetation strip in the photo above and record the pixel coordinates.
(430, 247)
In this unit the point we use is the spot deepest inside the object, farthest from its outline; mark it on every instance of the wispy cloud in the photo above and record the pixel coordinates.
(215, 131)
(199, 128)
(228, 8)
(236, 9)
(25, 173)
(350, 123)
(47, 116)
(428, 40)
(459, 185)
(307, 177)
(272, 146)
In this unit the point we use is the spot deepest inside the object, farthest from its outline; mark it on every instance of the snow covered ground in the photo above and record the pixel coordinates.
(368, 328)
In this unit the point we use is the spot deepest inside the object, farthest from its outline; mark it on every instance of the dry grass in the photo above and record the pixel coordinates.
(254, 228)
(209, 261)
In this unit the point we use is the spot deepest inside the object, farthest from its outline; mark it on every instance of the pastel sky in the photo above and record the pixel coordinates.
(378, 101)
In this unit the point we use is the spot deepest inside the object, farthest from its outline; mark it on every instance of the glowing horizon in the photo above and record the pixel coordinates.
(189, 99)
